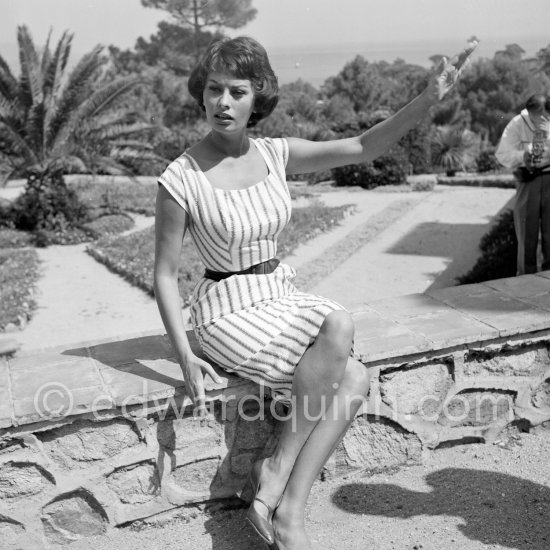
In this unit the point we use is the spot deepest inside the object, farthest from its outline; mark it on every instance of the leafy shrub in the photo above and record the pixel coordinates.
(487, 162)
(453, 148)
(385, 170)
(46, 204)
(389, 169)
(18, 275)
(499, 253)
(63, 236)
(423, 183)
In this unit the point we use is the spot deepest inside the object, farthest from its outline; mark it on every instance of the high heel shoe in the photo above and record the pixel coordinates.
(260, 523)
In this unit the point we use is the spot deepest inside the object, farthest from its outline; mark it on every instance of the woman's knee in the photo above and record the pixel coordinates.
(357, 377)
(337, 332)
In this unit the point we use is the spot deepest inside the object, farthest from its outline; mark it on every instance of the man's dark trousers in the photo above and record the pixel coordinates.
(531, 215)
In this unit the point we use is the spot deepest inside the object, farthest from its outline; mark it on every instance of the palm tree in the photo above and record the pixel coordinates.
(453, 148)
(54, 121)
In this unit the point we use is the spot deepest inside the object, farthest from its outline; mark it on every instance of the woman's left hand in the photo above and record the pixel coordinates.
(447, 72)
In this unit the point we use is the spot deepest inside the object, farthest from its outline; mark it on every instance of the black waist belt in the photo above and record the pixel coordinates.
(263, 268)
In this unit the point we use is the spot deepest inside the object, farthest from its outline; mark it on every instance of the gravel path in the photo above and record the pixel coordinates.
(471, 497)
(80, 300)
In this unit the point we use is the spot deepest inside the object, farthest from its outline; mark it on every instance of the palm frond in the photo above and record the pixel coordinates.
(34, 127)
(115, 117)
(55, 68)
(46, 55)
(53, 78)
(18, 142)
(100, 101)
(6, 176)
(10, 113)
(8, 83)
(135, 144)
(116, 131)
(130, 153)
(109, 164)
(68, 163)
(31, 77)
(104, 98)
(80, 81)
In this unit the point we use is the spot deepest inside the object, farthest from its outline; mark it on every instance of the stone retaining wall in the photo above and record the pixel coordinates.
(96, 437)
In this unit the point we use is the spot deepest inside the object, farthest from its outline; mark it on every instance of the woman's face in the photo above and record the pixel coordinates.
(228, 102)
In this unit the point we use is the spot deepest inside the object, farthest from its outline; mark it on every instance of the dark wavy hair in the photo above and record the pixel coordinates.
(537, 102)
(246, 59)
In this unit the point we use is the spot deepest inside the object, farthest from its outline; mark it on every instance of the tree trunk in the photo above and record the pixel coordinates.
(196, 30)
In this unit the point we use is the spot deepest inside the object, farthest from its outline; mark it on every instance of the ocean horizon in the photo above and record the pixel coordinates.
(316, 63)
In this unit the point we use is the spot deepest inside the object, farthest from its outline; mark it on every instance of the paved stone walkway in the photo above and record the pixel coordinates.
(428, 247)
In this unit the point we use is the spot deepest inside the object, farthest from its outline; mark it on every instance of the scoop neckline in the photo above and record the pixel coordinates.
(258, 183)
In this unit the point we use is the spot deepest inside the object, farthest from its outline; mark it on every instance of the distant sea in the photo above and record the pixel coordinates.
(314, 64)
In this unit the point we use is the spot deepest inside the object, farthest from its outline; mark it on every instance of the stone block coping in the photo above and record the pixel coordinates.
(94, 376)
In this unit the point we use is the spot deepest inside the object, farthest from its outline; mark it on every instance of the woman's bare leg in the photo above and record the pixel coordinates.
(316, 378)
(325, 373)
(289, 519)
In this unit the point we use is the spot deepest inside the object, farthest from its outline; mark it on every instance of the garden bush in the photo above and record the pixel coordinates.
(498, 253)
(487, 162)
(47, 203)
(385, 170)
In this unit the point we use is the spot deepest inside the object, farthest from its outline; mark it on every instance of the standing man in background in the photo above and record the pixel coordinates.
(525, 147)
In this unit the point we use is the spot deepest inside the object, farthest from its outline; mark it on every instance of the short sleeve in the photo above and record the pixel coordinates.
(281, 147)
(276, 150)
(175, 180)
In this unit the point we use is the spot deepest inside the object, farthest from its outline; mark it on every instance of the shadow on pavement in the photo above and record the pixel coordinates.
(228, 528)
(457, 244)
(495, 509)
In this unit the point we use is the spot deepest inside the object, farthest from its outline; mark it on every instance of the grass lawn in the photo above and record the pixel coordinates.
(18, 276)
(132, 256)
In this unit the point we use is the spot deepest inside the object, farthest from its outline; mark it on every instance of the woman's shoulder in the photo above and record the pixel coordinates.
(276, 147)
(182, 171)
(183, 163)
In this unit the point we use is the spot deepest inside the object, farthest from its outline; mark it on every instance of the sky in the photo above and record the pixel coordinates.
(286, 24)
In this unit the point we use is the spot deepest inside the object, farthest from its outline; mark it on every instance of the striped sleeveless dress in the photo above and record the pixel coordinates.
(256, 326)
